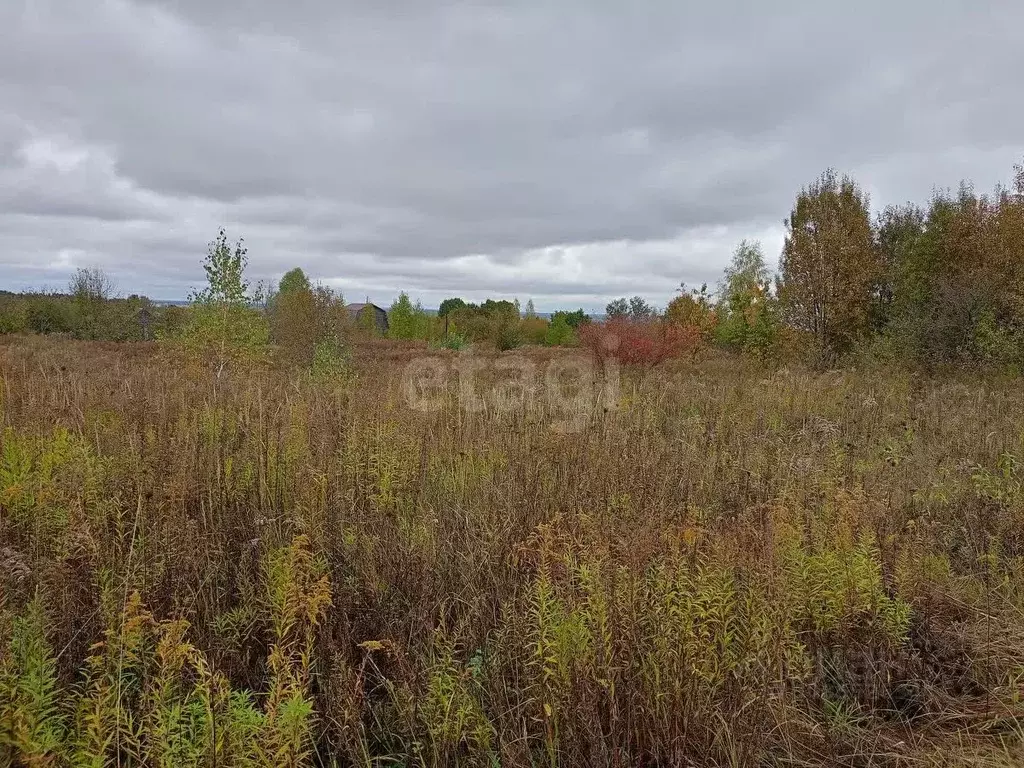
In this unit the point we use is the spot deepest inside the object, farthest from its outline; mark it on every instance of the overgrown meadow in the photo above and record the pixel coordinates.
(730, 565)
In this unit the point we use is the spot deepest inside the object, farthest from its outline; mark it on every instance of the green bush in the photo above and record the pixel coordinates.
(407, 320)
(560, 333)
(330, 359)
(454, 341)
(533, 329)
(508, 337)
(50, 314)
(996, 341)
(13, 315)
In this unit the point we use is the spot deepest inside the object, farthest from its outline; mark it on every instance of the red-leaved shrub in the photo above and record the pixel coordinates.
(645, 343)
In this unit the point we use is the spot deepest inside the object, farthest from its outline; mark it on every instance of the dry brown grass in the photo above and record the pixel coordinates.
(736, 566)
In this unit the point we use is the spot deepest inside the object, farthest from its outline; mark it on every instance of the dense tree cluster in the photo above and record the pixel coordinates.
(933, 284)
(309, 323)
(939, 283)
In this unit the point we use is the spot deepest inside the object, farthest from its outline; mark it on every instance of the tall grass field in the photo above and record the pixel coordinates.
(724, 565)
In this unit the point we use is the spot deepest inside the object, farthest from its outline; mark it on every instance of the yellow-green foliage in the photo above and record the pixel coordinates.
(451, 711)
(298, 594)
(180, 719)
(842, 591)
(32, 724)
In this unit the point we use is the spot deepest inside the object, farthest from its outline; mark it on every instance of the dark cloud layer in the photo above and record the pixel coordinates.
(569, 151)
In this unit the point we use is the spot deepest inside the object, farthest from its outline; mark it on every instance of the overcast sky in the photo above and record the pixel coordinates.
(566, 151)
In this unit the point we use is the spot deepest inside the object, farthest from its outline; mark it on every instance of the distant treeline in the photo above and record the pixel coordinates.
(503, 323)
(88, 315)
(940, 283)
(291, 311)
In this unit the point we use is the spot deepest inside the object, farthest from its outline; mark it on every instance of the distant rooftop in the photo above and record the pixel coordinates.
(360, 306)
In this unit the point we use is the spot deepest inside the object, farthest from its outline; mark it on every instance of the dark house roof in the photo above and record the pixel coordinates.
(381, 315)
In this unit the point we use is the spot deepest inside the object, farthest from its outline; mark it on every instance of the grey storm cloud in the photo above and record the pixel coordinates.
(566, 151)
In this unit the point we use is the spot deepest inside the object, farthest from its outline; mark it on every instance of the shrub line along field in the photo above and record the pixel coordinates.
(734, 565)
